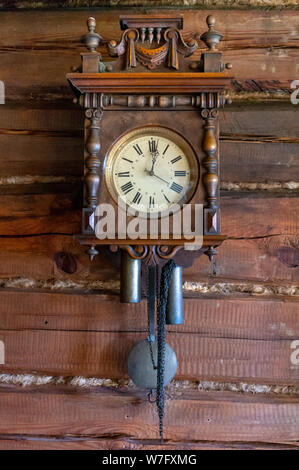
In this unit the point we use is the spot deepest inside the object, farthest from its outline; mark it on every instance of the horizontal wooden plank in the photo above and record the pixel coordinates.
(41, 155)
(256, 259)
(258, 161)
(253, 260)
(242, 217)
(260, 152)
(247, 217)
(199, 416)
(22, 442)
(54, 120)
(255, 120)
(37, 205)
(237, 318)
(35, 258)
(253, 162)
(104, 354)
(54, 41)
(36, 213)
(257, 235)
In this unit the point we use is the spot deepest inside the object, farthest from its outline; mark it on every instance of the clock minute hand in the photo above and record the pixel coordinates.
(159, 177)
(151, 173)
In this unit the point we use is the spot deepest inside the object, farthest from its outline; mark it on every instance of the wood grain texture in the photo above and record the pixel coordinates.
(228, 317)
(267, 39)
(22, 442)
(104, 354)
(235, 4)
(34, 257)
(61, 155)
(262, 148)
(255, 260)
(265, 216)
(109, 414)
(272, 161)
(38, 226)
(225, 337)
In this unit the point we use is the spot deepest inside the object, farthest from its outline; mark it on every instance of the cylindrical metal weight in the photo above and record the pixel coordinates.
(174, 312)
(130, 286)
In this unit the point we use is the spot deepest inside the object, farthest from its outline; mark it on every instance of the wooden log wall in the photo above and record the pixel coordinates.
(64, 383)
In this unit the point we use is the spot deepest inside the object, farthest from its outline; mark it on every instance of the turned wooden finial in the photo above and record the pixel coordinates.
(212, 37)
(91, 24)
(91, 39)
(92, 252)
(210, 21)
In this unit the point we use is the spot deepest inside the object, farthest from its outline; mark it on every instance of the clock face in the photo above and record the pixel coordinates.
(152, 169)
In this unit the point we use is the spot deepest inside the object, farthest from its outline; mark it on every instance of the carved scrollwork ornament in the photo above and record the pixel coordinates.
(132, 42)
(209, 113)
(150, 254)
(94, 114)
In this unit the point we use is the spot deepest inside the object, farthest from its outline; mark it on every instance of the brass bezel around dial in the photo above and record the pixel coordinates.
(152, 131)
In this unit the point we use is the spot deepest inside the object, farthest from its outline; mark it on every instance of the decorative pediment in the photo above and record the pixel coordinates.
(152, 42)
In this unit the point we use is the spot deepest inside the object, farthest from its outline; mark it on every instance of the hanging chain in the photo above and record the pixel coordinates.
(161, 336)
(151, 308)
(152, 294)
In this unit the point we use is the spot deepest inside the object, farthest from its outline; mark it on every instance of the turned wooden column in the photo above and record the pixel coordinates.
(210, 177)
(92, 160)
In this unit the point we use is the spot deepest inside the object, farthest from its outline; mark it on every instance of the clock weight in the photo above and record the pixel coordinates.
(130, 279)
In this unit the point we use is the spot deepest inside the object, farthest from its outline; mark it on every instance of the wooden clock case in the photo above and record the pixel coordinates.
(151, 82)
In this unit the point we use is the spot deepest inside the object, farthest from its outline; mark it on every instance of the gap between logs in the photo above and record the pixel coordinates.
(152, 4)
(175, 388)
(224, 185)
(226, 288)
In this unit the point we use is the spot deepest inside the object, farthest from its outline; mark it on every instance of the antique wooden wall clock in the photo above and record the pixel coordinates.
(151, 150)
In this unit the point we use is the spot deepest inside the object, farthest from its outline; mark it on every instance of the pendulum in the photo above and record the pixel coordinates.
(152, 363)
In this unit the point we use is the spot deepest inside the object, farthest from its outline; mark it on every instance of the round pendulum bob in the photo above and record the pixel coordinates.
(142, 364)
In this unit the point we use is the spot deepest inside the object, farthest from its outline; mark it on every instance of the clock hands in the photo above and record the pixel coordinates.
(153, 148)
(160, 178)
(151, 173)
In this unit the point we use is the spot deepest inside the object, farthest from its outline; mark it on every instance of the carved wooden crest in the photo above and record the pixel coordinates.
(152, 42)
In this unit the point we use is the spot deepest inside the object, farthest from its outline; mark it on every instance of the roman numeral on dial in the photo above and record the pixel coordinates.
(180, 173)
(138, 149)
(151, 201)
(153, 145)
(137, 198)
(176, 187)
(126, 188)
(123, 174)
(165, 150)
(176, 159)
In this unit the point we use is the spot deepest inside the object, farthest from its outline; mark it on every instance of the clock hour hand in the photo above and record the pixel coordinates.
(153, 148)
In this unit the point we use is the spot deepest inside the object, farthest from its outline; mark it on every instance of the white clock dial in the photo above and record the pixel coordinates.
(151, 169)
